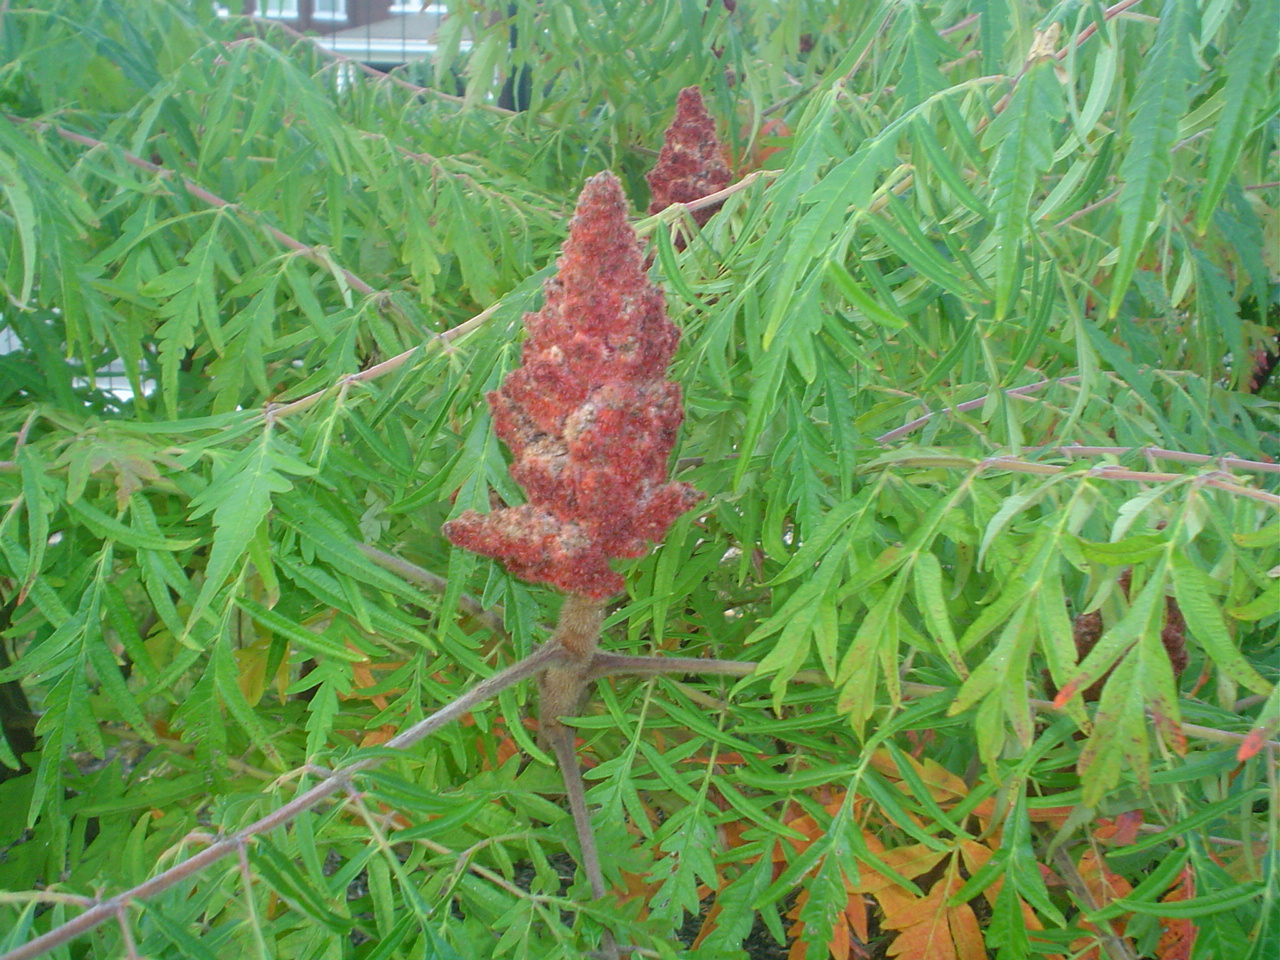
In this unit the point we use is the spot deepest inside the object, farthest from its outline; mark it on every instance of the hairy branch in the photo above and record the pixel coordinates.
(899, 432)
(444, 339)
(317, 255)
(1159, 453)
(331, 783)
(1117, 948)
(550, 655)
(491, 618)
(1102, 472)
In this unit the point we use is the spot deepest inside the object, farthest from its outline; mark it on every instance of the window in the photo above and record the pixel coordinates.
(329, 10)
(280, 9)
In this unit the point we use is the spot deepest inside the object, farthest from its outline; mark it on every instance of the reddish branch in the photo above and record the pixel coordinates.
(329, 784)
(341, 779)
(316, 255)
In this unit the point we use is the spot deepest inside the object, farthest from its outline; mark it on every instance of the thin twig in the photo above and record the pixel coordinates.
(1072, 451)
(45, 896)
(1104, 472)
(443, 339)
(438, 164)
(341, 779)
(605, 664)
(11, 466)
(1109, 198)
(918, 422)
(676, 210)
(1159, 453)
(126, 934)
(1152, 829)
(1116, 947)
(1101, 472)
(446, 337)
(1109, 14)
(571, 774)
(331, 783)
(180, 747)
(970, 19)
(493, 619)
(613, 664)
(316, 255)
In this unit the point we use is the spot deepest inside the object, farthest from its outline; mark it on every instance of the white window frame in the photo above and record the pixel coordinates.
(287, 9)
(338, 14)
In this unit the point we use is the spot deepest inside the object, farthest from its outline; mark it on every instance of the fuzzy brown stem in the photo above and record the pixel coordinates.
(562, 692)
(1117, 948)
(561, 742)
(578, 630)
(561, 739)
(562, 689)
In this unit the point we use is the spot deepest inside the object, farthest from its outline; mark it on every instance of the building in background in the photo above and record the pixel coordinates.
(381, 33)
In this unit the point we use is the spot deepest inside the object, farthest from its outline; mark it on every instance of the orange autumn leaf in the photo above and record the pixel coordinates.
(803, 824)
(709, 923)
(638, 888)
(975, 857)
(807, 825)
(1068, 691)
(929, 927)
(799, 947)
(1103, 886)
(1255, 741)
(376, 738)
(731, 833)
(771, 138)
(848, 933)
(363, 679)
(1121, 831)
(911, 862)
(920, 741)
(1055, 816)
(942, 783)
(840, 945)
(855, 914)
(394, 817)
(1245, 867)
(1180, 933)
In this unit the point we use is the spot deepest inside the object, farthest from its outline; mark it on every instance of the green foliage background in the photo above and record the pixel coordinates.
(1083, 250)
